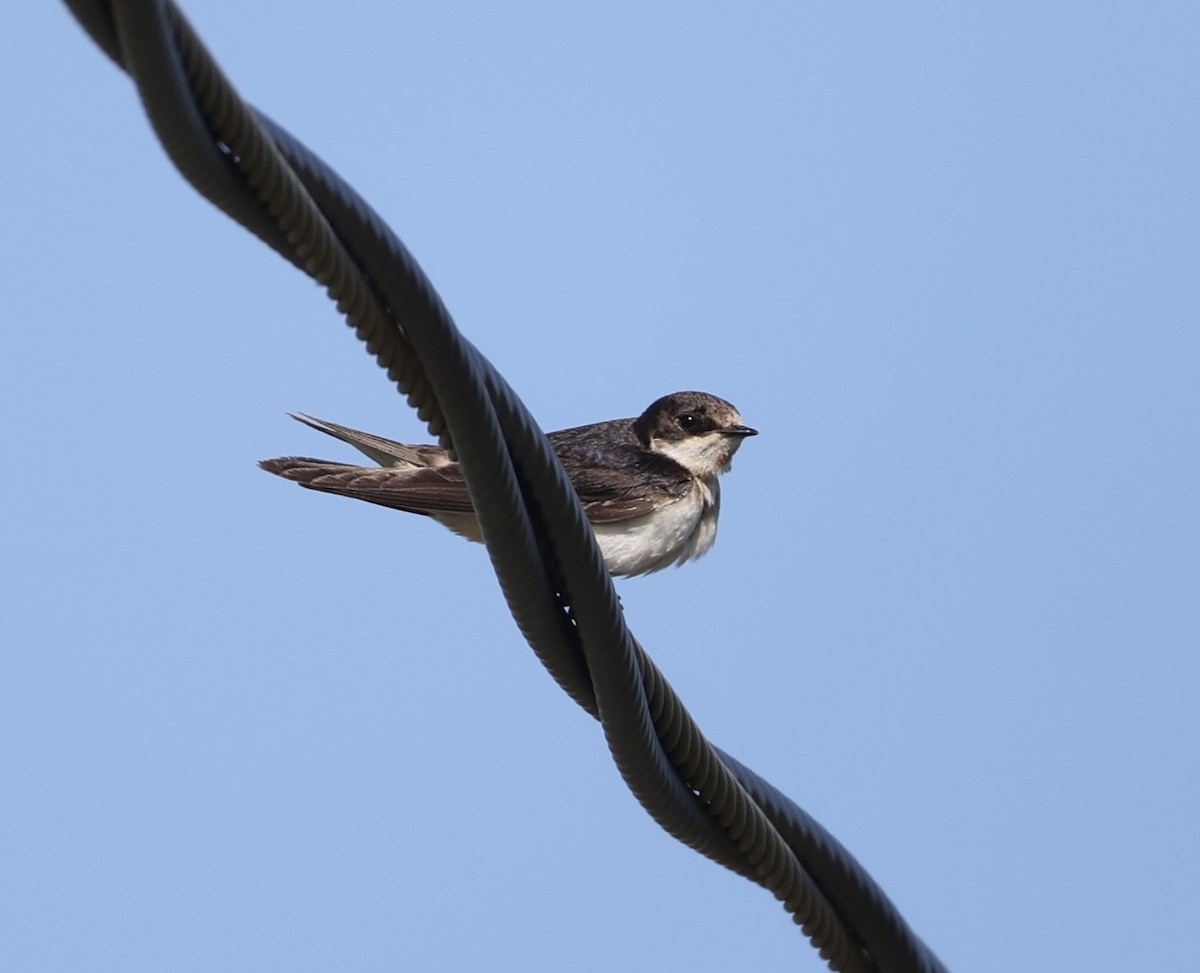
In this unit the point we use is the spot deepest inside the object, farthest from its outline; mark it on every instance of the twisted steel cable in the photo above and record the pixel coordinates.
(541, 545)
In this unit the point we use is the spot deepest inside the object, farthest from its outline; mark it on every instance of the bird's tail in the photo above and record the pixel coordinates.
(341, 479)
(385, 452)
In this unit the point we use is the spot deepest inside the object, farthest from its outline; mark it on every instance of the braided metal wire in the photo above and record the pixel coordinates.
(542, 548)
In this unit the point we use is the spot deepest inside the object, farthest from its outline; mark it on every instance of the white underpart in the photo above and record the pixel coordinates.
(679, 532)
(464, 525)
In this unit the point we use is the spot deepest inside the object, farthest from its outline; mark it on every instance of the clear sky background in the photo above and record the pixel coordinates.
(946, 257)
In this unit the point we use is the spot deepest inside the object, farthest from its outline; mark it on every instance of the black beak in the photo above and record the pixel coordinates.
(740, 431)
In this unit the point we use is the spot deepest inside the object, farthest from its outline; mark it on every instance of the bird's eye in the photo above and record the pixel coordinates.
(688, 422)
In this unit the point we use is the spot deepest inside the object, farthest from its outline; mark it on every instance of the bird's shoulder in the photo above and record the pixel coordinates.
(616, 477)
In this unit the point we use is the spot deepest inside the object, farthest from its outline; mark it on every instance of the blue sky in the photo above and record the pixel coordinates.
(945, 259)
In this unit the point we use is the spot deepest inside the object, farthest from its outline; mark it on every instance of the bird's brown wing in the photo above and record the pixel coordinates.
(422, 479)
(606, 489)
(435, 489)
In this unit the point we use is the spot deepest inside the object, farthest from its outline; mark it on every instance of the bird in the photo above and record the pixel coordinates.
(647, 484)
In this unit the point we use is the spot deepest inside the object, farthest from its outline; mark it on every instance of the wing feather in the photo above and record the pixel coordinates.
(437, 489)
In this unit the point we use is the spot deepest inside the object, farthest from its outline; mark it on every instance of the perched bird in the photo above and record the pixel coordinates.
(648, 485)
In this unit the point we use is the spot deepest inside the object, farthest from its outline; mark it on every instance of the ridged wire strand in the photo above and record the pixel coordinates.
(293, 211)
(541, 546)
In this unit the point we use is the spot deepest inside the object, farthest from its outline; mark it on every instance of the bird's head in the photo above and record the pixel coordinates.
(700, 432)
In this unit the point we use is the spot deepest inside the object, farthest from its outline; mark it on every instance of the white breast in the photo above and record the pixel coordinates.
(678, 532)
